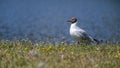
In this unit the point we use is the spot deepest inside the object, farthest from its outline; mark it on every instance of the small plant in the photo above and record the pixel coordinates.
(25, 54)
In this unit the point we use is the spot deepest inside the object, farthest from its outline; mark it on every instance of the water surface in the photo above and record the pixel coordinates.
(46, 19)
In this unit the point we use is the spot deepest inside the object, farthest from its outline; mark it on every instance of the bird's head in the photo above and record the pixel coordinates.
(72, 20)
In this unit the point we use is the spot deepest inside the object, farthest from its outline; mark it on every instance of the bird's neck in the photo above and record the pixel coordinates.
(74, 24)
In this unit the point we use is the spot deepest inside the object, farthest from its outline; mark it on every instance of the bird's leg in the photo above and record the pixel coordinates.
(97, 41)
(78, 42)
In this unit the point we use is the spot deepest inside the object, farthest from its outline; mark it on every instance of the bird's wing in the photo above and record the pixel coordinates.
(84, 35)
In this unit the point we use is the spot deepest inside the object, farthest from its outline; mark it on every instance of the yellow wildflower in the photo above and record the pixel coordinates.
(44, 49)
(117, 54)
(49, 48)
(63, 49)
(72, 53)
(26, 49)
(8, 54)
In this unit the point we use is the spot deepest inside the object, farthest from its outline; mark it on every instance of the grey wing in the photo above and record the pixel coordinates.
(85, 36)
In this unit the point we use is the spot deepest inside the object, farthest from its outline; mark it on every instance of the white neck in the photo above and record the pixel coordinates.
(75, 27)
(74, 24)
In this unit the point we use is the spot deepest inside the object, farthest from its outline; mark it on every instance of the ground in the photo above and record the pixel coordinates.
(25, 54)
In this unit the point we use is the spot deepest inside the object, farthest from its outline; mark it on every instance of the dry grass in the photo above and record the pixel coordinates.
(24, 54)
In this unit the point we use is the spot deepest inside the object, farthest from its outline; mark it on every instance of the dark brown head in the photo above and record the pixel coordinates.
(72, 20)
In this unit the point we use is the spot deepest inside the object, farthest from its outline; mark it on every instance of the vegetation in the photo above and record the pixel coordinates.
(24, 54)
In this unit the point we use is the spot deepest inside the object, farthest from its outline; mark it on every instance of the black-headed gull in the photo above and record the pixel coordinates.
(79, 34)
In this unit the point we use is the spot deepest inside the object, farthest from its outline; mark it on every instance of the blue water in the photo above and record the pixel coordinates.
(46, 19)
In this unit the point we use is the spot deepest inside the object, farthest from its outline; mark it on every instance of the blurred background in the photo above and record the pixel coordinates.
(46, 19)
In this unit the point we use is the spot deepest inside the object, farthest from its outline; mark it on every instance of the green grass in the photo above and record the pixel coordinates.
(24, 54)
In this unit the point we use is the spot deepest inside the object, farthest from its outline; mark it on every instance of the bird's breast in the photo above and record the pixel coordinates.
(75, 34)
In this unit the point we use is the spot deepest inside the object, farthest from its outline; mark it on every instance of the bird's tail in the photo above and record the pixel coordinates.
(97, 41)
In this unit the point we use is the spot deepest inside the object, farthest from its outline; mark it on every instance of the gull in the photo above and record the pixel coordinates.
(79, 34)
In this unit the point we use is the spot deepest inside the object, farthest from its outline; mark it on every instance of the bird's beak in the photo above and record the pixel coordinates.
(68, 20)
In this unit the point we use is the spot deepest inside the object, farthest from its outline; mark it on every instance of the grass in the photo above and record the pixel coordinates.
(24, 54)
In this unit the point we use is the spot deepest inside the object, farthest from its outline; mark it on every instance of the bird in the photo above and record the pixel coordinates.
(80, 35)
